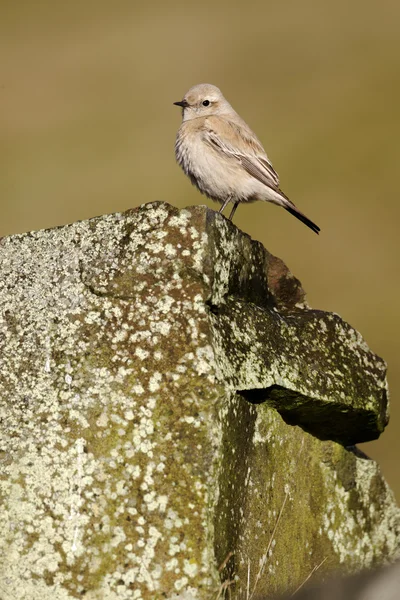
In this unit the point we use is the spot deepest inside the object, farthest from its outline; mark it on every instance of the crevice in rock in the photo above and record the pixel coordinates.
(335, 421)
(213, 308)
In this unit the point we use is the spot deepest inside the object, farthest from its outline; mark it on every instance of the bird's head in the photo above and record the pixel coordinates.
(203, 100)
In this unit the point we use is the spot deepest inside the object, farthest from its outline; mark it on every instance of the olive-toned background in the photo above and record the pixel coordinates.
(87, 127)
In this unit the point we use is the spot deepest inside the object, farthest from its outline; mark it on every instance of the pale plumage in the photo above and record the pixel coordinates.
(223, 157)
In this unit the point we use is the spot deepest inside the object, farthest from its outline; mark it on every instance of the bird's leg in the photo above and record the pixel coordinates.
(236, 204)
(225, 204)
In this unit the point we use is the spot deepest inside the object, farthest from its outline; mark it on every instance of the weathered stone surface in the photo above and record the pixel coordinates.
(144, 357)
(309, 364)
(296, 502)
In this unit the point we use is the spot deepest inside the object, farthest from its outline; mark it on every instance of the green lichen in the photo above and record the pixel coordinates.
(295, 502)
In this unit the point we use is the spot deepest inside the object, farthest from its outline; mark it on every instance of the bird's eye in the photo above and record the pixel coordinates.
(206, 102)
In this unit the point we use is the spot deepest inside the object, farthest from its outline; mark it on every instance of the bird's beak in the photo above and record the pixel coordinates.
(182, 103)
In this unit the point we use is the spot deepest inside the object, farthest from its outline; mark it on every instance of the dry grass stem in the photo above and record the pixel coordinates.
(223, 587)
(224, 563)
(308, 576)
(261, 569)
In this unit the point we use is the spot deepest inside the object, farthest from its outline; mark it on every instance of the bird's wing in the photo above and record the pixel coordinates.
(239, 143)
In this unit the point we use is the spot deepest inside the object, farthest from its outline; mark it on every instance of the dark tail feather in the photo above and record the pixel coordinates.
(299, 215)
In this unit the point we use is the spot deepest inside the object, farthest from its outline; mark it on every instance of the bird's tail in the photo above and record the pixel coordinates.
(299, 215)
(290, 207)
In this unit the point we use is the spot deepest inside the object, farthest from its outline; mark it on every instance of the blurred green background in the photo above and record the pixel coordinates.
(88, 127)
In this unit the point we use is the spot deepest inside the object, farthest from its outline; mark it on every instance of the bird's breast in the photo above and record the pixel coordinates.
(209, 171)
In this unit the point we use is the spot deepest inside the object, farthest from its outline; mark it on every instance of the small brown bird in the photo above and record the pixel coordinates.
(223, 157)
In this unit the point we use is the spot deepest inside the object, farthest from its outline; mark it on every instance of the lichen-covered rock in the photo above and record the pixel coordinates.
(297, 504)
(144, 357)
(314, 368)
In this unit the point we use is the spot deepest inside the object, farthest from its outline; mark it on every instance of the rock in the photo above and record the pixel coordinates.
(171, 405)
(310, 365)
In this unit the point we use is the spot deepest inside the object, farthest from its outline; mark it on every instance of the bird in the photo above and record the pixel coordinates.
(222, 156)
